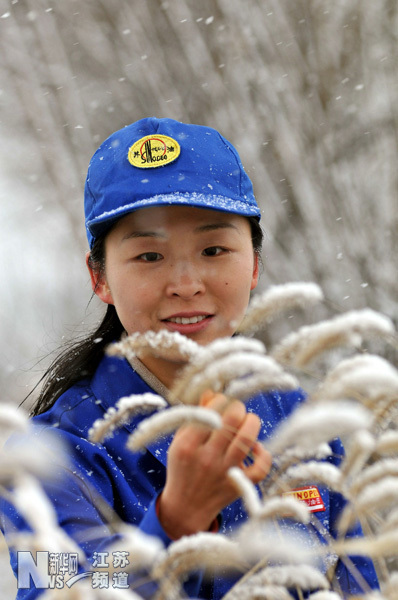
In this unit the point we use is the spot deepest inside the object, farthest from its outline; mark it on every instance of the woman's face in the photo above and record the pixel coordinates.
(178, 268)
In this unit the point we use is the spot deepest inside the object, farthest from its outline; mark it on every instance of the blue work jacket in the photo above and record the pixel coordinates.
(109, 474)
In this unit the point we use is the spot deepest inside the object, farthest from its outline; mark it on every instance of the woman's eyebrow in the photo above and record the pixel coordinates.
(139, 234)
(213, 226)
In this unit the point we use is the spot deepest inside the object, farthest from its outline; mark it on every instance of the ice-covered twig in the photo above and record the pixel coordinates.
(278, 508)
(377, 496)
(251, 385)
(214, 351)
(324, 595)
(313, 471)
(365, 377)
(143, 550)
(263, 541)
(312, 424)
(351, 328)
(391, 522)
(166, 344)
(37, 454)
(31, 501)
(389, 587)
(217, 375)
(294, 455)
(200, 551)
(12, 419)
(84, 590)
(304, 577)
(246, 489)
(361, 446)
(12, 465)
(259, 592)
(169, 420)
(381, 469)
(278, 298)
(383, 545)
(387, 442)
(272, 507)
(124, 409)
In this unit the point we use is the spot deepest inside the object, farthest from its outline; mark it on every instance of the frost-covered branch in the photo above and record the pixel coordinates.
(313, 471)
(12, 419)
(387, 442)
(302, 577)
(366, 377)
(349, 329)
(312, 424)
(169, 420)
(219, 374)
(208, 551)
(124, 409)
(377, 472)
(214, 351)
(143, 549)
(276, 299)
(31, 501)
(166, 344)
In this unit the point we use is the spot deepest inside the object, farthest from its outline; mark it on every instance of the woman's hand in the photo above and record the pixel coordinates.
(197, 486)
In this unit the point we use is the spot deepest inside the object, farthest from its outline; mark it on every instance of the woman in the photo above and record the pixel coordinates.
(174, 235)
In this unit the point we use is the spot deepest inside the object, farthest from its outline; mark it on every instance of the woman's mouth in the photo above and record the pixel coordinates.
(187, 320)
(187, 323)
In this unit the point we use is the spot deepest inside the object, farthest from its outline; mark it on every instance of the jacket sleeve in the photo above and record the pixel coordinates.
(85, 496)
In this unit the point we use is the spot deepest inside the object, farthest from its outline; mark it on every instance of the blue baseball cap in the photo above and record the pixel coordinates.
(156, 162)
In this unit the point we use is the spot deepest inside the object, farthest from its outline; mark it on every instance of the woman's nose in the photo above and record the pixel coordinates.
(185, 280)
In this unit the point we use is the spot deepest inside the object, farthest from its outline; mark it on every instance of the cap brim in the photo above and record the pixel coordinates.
(102, 223)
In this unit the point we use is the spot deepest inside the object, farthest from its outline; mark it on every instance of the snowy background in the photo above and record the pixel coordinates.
(306, 90)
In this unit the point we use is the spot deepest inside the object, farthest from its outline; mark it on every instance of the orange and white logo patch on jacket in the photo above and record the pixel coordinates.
(310, 495)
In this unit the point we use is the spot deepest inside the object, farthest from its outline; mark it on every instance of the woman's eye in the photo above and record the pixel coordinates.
(213, 251)
(150, 256)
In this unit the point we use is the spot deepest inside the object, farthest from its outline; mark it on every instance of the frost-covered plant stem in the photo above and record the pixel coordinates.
(169, 420)
(217, 375)
(124, 410)
(381, 561)
(348, 329)
(276, 299)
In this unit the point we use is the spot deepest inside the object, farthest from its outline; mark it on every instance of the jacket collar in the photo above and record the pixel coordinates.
(116, 378)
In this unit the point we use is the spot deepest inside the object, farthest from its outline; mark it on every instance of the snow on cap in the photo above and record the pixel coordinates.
(156, 162)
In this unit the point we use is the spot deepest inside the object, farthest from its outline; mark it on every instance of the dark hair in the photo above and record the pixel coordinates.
(79, 359)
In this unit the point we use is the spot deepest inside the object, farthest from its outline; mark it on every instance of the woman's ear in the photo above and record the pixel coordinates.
(99, 283)
(255, 271)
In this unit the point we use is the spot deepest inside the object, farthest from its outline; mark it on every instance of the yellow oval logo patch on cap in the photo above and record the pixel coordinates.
(153, 151)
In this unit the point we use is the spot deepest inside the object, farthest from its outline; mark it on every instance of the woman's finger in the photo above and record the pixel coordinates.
(244, 440)
(198, 434)
(192, 434)
(261, 465)
(233, 417)
(214, 400)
